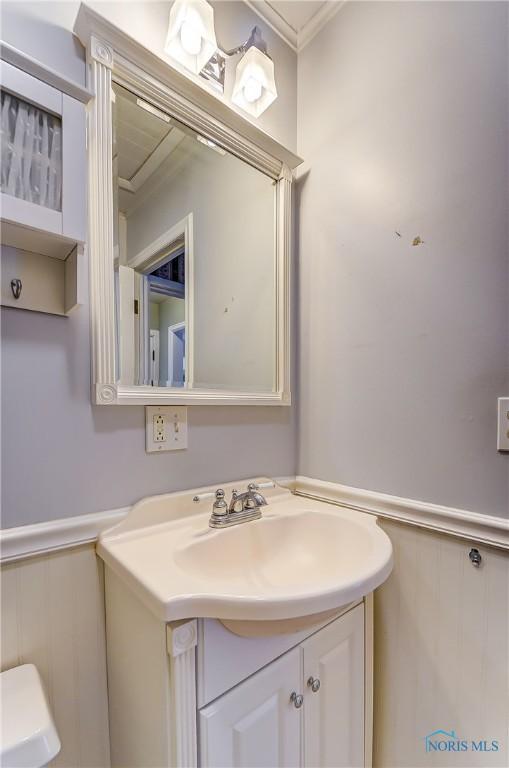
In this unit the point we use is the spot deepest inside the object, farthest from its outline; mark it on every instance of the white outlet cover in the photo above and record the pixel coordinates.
(175, 428)
(503, 424)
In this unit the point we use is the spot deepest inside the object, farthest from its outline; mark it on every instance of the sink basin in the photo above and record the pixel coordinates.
(302, 551)
(302, 558)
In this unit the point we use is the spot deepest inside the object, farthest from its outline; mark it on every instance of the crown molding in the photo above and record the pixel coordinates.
(317, 22)
(295, 39)
(275, 21)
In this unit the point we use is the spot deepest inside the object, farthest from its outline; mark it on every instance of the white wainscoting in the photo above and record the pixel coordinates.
(441, 628)
(53, 616)
(441, 650)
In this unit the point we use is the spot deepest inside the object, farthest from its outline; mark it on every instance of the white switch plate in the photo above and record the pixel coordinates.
(165, 428)
(503, 424)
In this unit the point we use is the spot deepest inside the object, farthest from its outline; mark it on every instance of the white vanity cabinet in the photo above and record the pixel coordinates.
(283, 677)
(255, 724)
(258, 724)
(192, 693)
(334, 721)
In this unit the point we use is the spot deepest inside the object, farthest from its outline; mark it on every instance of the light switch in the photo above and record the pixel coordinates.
(165, 428)
(503, 424)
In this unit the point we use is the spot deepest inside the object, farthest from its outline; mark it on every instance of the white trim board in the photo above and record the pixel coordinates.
(317, 22)
(296, 39)
(39, 538)
(32, 540)
(50, 76)
(461, 523)
(275, 21)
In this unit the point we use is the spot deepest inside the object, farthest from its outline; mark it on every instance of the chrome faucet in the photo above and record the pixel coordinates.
(251, 499)
(242, 507)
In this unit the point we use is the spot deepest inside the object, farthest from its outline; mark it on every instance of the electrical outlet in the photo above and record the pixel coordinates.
(503, 424)
(166, 428)
(159, 428)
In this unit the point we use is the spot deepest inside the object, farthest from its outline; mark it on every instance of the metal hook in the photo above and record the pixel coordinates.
(16, 287)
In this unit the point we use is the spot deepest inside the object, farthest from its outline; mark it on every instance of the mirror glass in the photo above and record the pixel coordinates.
(194, 257)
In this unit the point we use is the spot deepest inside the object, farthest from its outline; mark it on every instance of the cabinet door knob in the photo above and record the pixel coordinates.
(297, 699)
(314, 684)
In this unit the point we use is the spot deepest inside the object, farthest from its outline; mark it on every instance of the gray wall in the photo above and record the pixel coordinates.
(403, 123)
(62, 456)
(405, 349)
(171, 311)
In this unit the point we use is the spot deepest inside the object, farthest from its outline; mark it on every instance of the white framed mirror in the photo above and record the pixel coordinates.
(189, 236)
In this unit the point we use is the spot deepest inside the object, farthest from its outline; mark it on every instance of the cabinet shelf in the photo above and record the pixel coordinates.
(51, 285)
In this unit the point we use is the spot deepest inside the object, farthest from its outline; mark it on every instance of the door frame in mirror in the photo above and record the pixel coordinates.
(183, 228)
(112, 54)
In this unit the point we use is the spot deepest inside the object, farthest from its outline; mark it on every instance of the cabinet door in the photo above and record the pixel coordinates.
(43, 181)
(255, 725)
(334, 714)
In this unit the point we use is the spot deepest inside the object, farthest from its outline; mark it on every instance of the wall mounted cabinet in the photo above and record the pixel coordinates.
(43, 183)
(43, 180)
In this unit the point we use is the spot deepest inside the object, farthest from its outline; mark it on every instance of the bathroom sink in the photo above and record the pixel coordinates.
(299, 551)
(302, 558)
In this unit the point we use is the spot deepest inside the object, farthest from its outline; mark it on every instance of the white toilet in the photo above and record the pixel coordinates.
(28, 735)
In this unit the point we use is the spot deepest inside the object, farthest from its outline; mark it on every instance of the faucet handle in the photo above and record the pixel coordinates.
(219, 507)
(256, 486)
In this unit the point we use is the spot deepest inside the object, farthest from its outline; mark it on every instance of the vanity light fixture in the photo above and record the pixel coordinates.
(255, 87)
(192, 42)
(191, 38)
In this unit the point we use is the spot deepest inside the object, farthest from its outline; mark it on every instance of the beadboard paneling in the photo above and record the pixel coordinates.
(441, 650)
(53, 616)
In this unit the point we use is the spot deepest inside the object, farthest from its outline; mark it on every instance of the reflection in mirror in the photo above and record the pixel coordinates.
(166, 287)
(195, 274)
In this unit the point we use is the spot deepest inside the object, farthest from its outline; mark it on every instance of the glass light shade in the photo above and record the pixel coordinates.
(255, 87)
(191, 38)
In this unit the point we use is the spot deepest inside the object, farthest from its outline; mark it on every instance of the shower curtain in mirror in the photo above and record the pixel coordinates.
(31, 142)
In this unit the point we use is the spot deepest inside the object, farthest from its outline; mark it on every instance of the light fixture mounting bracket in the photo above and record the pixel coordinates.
(215, 69)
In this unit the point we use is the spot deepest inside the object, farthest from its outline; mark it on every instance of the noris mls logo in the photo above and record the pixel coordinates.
(447, 741)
